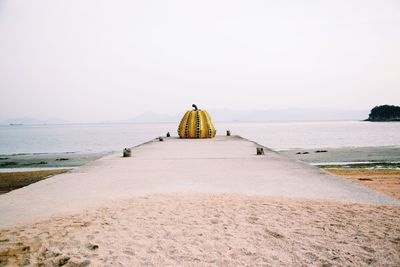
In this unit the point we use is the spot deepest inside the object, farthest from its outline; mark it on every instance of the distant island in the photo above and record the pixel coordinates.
(384, 113)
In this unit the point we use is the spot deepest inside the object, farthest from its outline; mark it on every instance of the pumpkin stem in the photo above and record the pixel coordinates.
(195, 107)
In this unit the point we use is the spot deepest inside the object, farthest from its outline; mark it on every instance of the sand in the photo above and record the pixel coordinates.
(211, 230)
(383, 180)
(13, 180)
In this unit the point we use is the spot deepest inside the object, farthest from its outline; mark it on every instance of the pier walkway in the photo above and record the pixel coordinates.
(219, 165)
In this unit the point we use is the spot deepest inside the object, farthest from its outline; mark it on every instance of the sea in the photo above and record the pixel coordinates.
(102, 138)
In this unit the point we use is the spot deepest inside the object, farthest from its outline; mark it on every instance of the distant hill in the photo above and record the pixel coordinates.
(384, 113)
(294, 114)
(223, 115)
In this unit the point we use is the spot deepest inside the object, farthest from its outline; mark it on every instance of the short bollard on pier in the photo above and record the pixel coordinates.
(228, 132)
(260, 151)
(127, 153)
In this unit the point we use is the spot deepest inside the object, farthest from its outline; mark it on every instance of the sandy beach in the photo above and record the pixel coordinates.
(383, 180)
(198, 203)
(211, 230)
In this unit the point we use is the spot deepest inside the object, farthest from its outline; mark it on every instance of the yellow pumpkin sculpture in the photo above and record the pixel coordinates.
(196, 124)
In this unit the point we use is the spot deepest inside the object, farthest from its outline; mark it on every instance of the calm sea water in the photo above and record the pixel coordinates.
(114, 137)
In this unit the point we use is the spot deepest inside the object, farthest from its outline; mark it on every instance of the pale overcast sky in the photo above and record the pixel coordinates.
(109, 60)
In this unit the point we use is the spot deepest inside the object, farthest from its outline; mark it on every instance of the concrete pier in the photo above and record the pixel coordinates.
(225, 164)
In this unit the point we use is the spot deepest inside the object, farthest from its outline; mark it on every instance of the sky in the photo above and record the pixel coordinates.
(94, 60)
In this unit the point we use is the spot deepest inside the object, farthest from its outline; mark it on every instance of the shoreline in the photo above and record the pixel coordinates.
(48, 160)
(322, 155)
(34, 169)
(314, 156)
(21, 170)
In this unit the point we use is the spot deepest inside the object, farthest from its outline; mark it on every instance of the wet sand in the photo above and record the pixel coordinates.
(211, 230)
(345, 154)
(46, 160)
(13, 180)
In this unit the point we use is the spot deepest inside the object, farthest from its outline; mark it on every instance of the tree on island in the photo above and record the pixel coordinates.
(384, 113)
